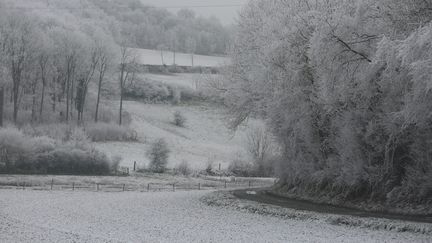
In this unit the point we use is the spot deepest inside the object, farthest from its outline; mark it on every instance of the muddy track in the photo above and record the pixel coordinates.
(266, 196)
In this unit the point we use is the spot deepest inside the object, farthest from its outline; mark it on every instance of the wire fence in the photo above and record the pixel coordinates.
(147, 187)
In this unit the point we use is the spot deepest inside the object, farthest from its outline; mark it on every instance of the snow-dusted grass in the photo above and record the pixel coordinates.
(204, 138)
(135, 182)
(188, 80)
(31, 216)
(226, 199)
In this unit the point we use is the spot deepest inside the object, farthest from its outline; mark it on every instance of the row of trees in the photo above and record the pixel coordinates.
(147, 27)
(345, 86)
(47, 67)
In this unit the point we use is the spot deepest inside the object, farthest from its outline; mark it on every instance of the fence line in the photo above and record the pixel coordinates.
(149, 187)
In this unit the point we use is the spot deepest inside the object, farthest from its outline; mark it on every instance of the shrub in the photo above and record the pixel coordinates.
(242, 168)
(179, 119)
(67, 159)
(102, 132)
(158, 155)
(183, 168)
(43, 155)
(176, 96)
(14, 147)
(157, 92)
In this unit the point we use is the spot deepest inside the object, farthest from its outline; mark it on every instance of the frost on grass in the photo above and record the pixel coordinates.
(228, 200)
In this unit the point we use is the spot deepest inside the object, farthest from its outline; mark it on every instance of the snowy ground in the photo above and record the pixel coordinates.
(39, 216)
(205, 137)
(154, 57)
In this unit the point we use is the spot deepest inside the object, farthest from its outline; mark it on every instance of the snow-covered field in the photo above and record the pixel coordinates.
(205, 137)
(40, 216)
(186, 80)
(154, 57)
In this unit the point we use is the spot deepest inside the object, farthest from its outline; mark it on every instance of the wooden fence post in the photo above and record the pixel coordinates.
(250, 184)
(73, 186)
(97, 186)
(124, 187)
(24, 184)
(199, 186)
(52, 183)
(148, 187)
(225, 184)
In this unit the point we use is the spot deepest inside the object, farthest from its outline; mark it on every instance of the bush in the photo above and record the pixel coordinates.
(179, 119)
(158, 155)
(157, 92)
(43, 155)
(14, 147)
(241, 168)
(183, 168)
(102, 132)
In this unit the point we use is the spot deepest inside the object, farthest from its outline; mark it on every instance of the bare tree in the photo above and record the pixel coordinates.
(43, 60)
(259, 142)
(17, 33)
(83, 82)
(101, 68)
(126, 60)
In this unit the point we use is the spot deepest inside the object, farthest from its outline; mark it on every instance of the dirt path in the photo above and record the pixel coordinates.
(265, 196)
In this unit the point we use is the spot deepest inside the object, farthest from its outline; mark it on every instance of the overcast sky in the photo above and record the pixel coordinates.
(227, 15)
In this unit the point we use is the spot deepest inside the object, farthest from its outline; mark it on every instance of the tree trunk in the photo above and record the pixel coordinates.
(121, 92)
(15, 101)
(121, 107)
(1, 105)
(33, 111)
(163, 63)
(42, 100)
(67, 98)
(98, 97)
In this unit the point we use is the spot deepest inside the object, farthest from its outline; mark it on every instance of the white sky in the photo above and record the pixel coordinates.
(227, 15)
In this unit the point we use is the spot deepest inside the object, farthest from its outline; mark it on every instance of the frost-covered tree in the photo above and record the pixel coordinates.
(344, 86)
(158, 155)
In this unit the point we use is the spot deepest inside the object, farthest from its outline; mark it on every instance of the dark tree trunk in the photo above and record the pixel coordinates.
(98, 97)
(1, 105)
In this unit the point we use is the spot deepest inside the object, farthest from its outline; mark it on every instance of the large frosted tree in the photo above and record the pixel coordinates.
(339, 83)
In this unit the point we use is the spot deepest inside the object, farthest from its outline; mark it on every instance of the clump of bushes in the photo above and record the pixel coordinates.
(183, 168)
(158, 155)
(25, 154)
(157, 92)
(239, 167)
(102, 132)
(179, 119)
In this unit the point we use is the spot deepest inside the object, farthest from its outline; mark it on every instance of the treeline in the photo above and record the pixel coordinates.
(47, 68)
(54, 71)
(148, 27)
(345, 86)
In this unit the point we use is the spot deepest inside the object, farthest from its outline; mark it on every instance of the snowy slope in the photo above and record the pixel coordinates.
(204, 138)
(154, 57)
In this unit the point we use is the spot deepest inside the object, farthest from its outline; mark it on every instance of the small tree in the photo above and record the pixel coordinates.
(179, 119)
(158, 155)
(259, 146)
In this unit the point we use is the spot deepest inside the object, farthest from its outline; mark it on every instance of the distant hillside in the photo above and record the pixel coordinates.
(131, 23)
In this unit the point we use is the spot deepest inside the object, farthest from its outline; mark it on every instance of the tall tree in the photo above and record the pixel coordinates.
(102, 67)
(17, 34)
(126, 60)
